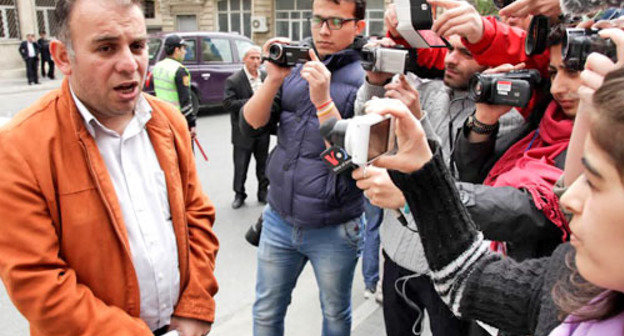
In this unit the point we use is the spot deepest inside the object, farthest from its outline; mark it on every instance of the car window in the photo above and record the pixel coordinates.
(153, 46)
(191, 55)
(241, 47)
(216, 50)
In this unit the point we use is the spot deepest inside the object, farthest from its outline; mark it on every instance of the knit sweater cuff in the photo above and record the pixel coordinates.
(445, 227)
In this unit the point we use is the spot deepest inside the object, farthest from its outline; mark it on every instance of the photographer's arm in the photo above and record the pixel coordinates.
(463, 267)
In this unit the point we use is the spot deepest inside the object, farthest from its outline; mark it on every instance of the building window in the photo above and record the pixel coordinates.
(9, 22)
(149, 9)
(186, 22)
(46, 21)
(375, 18)
(291, 19)
(235, 16)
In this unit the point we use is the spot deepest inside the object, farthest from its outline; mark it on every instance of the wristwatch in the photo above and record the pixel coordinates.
(480, 128)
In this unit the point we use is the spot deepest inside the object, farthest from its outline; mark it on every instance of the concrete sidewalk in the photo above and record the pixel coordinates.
(13, 85)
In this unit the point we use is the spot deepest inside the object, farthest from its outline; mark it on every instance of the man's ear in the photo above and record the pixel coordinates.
(360, 26)
(61, 56)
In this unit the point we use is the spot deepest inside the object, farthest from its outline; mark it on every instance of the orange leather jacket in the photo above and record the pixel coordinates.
(64, 253)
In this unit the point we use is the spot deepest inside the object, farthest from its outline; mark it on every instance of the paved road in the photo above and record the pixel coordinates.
(236, 261)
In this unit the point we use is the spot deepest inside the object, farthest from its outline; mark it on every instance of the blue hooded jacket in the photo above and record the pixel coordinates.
(302, 189)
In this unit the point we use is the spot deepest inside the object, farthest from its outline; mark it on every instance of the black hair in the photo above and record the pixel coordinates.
(360, 7)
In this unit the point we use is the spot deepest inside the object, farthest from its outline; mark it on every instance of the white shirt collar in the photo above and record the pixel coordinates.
(142, 111)
(249, 76)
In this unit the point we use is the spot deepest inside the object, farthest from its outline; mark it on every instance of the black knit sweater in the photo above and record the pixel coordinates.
(473, 281)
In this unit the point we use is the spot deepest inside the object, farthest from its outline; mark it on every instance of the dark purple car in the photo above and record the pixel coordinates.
(211, 58)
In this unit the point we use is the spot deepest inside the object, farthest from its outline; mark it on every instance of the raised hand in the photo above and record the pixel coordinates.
(378, 187)
(405, 92)
(460, 18)
(414, 151)
(319, 78)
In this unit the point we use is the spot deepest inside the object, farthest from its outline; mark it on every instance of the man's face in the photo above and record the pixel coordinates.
(180, 53)
(332, 41)
(252, 60)
(564, 83)
(459, 64)
(107, 70)
(30, 38)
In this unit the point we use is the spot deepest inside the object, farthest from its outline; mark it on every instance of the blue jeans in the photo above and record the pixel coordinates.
(283, 252)
(370, 255)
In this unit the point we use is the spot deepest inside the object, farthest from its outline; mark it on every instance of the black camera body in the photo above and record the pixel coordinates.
(395, 60)
(511, 88)
(288, 56)
(578, 43)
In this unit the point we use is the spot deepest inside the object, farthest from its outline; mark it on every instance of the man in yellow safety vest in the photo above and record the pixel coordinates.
(172, 80)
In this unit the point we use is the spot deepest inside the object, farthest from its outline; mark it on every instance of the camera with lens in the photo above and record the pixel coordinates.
(578, 43)
(394, 60)
(513, 88)
(362, 138)
(288, 55)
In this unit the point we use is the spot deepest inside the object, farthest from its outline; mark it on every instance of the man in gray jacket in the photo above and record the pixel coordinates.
(446, 105)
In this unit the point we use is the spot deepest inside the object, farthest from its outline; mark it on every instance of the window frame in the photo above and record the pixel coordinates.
(4, 27)
(240, 12)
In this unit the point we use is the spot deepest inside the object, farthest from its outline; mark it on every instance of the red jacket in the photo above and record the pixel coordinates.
(64, 253)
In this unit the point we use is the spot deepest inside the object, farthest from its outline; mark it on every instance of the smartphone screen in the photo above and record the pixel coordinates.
(379, 140)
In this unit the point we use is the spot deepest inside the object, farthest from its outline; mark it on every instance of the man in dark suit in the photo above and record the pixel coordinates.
(238, 89)
(29, 50)
(44, 46)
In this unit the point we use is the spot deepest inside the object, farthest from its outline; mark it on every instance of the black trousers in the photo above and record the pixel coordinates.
(400, 316)
(31, 70)
(242, 157)
(50, 67)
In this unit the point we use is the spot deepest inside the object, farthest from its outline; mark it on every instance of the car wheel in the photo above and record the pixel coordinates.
(195, 102)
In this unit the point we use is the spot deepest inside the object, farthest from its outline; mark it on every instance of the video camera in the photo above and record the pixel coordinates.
(513, 88)
(288, 55)
(396, 60)
(357, 141)
(578, 43)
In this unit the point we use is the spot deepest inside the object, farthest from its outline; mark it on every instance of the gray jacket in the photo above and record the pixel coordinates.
(445, 111)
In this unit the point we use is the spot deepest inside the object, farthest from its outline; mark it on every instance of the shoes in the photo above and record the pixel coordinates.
(374, 293)
(37, 83)
(52, 77)
(369, 293)
(262, 196)
(238, 202)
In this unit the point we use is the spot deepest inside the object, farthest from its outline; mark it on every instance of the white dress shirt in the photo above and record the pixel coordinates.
(31, 49)
(255, 82)
(142, 194)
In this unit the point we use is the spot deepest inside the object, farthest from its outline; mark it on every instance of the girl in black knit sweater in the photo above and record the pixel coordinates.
(547, 296)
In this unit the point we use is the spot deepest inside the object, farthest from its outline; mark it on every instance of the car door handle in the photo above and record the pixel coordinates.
(206, 76)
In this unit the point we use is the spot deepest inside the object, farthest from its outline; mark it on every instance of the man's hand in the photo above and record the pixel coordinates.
(319, 79)
(275, 74)
(379, 78)
(193, 131)
(391, 21)
(378, 187)
(522, 8)
(406, 93)
(460, 18)
(189, 327)
(414, 151)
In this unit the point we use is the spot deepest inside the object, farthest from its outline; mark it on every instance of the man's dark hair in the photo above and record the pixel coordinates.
(62, 14)
(42, 32)
(556, 34)
(360, 7)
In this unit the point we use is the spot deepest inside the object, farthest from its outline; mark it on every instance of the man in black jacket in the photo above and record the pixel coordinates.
(44, 46)
(29, 50)
(238, 89)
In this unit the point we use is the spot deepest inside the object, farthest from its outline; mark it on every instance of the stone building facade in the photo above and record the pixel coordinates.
(273, 18)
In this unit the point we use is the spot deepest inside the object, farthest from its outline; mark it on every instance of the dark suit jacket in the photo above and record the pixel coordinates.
(44, 46)
(237, 93)
(23, 49)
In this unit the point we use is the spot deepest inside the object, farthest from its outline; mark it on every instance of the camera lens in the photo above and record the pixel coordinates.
(276, 51)
(477, 87)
